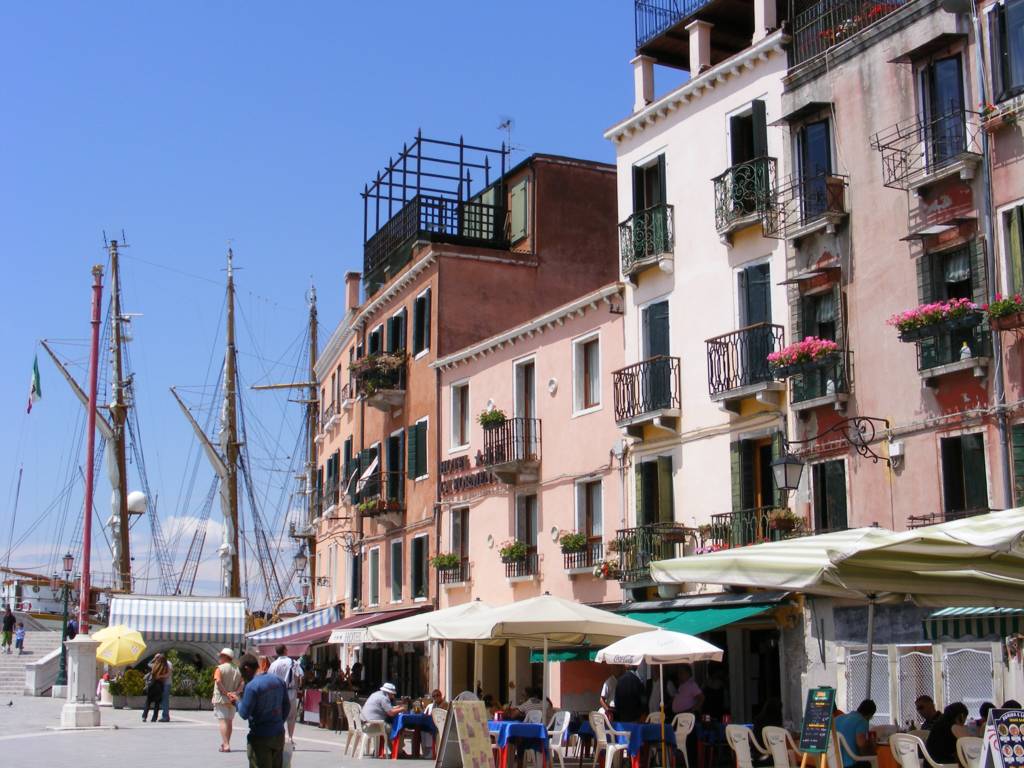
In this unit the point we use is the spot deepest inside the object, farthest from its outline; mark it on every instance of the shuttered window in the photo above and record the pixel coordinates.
(396, 332)
(397, 570)
(964, 487)
(1006, 24)
(518, 203)
(374, 568)
(421, 323)
(418, 575)
(375, 343)
(416, 451)
(654, 491)
(1014, 221)
(1018, 464)
(829, 478)
(589, 514)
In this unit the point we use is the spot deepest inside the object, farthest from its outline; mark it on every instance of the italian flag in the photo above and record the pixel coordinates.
(35, 391)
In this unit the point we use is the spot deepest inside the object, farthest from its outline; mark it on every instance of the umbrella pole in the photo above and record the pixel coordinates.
(545, 681)
(871, 642)
(661, 699)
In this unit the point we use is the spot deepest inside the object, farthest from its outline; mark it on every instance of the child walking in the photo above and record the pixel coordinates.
(19, 638)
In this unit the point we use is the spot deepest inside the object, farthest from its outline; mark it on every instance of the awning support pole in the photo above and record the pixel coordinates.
(871, 642)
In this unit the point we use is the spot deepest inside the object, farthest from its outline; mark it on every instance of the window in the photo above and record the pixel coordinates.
(1007, 46)
(338, 384)
(829, 479)
(334, 387)
(519, 206)
(753, 485)
(323, 403)
(367, 483)
(397, 575)
(418, 561)
(1018, 464)
(587, 379)
(526, 520)
(375, 576)
(421, 323)
(589, 515)
(964, 488)
(815, 154)
(351, 360)
(654, 491)
(347, 465)
(649, 184)
(416, 440)
(1013, 231)
(748, 134)
(942, 96)
(355, 581)
(460, 415)
(460, 532)
(375, 342)
(957, 273)
(396, 332)
(395, 477)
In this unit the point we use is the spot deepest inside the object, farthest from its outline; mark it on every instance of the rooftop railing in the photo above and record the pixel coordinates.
(830, 22)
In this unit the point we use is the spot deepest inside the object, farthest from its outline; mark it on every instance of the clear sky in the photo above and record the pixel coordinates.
(192, 124)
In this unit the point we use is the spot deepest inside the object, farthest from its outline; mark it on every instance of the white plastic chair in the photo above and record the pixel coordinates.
(848, 749)
(656, 717)
(605, 739)
(969, 749)
(907, 749)
(370, 735)
(779, 743)
(921, 733)
(534, 716)
(352, 732)
(683, 724)
(739, 738)
(439, 716)
(558, 741)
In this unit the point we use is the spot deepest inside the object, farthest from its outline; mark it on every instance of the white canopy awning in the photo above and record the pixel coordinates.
(217, 620)
(416, 628)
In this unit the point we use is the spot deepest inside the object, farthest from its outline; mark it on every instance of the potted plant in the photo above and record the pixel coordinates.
(492, 418)
(1005, 313)
(677, 534)
(784, 520)
(513, 551)
(938, 316)
(802, 356)
(607, 568)
(572, 542)
(446, 561)
(368, 507)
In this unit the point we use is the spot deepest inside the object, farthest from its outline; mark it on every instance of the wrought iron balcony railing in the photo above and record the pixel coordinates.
(802, 200)
(744, 190)
(380, 494)
(652, 17)
(645, 236)
(380, 379)
(588, 557)
(946, 347)
(648, 387)
(638, 547)
(457, 575)
(818, 27)
(515, 440)
(934, 518)
(435, 218)
(829, 378)
(914, 149)
(517, 569)
(326, 418)
(742, 527)
(740, 359)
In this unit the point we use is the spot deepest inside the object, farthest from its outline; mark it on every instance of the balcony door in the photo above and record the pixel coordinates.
(748, 141)
(656, 388)
(829, 478)
(753, 489)
(395, 478)
(755, 309)
(942, 89)
(526, 409)
(526, 521)
(815, 165)
(649, 184)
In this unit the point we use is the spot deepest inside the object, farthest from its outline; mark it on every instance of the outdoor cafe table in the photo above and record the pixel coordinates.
(410, 722)
(640, 735)
(528, 735)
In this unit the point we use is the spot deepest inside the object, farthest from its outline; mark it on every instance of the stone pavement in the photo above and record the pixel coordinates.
(190, 739)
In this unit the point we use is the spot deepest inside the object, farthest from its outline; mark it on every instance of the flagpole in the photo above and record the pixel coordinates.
(90, 450)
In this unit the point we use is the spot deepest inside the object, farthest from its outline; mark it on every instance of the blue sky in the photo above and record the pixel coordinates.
(191, 124)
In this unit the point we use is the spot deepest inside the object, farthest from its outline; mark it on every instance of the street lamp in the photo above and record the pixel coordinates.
(64, 589)
(858, 432)
(301, 560)
(305, 595)
(787, 470)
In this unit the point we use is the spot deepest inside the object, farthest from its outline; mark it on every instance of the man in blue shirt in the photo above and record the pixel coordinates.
(265, 704)
(854, 727)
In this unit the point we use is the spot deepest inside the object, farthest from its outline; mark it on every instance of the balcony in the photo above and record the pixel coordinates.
(744, 196)
(661, 28)
(934, 518)
(646, 239)
(807, 204)
(585, 559)
(380, 495)
(828, 23)
(454, 577)
(512, 450)
(522, 569)
(919, 152)
(329, 419)
(380, 380)
(743, 527)
(826, 382)
(943, 354)
(648, 393)
(638, 547)
(738, 366)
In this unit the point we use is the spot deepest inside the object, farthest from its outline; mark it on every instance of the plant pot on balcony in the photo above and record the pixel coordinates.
(1007, 322)
(970, 320)
(677, 536)
(804, 366)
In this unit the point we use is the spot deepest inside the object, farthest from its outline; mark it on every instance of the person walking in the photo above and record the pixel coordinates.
(227, 680)
(290, 673)
(158, 673)
(165, 699)
(19, 638)
(8, 629)
(265, 704)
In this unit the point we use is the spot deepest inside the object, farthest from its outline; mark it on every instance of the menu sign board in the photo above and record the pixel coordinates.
(465, 741)
(817, 727)
(1004, 736)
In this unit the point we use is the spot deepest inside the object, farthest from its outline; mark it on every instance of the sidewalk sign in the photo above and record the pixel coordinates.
(465, 740)
(816, 731)
(1004, 739)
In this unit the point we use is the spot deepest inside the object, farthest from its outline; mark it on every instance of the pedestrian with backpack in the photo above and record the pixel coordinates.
(290, 673)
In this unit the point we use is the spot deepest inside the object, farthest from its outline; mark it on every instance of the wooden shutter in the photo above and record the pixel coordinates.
(736, 473)
(737, 145)
(1016, 246)
(426, 320)
(975, 486)
(641, 511)
(757, 111)
(777, 450)
(421, 449)
(413, 445)
(665, 511)
(835, 489)
(518, 211)
(639, 203)
(661, 181)
(979, 275)
(1018, 464)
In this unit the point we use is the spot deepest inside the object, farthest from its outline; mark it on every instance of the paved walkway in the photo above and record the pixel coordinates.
(189, 740)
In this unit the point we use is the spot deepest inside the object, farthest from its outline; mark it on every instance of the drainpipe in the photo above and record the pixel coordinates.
(999, 389)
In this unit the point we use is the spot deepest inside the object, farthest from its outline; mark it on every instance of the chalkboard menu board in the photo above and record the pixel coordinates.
(817, 727)
(1004, 735)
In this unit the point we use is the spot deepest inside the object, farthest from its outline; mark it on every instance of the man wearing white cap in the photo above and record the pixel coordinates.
(380, 705)
(227, 681)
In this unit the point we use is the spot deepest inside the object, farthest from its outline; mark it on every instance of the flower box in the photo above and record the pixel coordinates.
(808, 354)
(935, 318)
(1007, 322)
(807, 366)
(943, 326)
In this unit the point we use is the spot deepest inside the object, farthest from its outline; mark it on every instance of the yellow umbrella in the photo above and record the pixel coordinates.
(120, 645)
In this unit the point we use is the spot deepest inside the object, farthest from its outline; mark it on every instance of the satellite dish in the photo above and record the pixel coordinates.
(955, 6)
(137, 503)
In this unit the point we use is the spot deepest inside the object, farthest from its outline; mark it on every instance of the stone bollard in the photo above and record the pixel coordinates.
(81, 711)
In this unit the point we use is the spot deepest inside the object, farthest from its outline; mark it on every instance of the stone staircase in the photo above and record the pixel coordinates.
(38, 643)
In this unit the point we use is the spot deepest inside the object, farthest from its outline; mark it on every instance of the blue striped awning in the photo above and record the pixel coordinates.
(976, 623)
(301, 623)
(219, 620)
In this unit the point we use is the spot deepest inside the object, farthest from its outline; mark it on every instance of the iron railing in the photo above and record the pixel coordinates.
(645, 235)
(457, 575)
(743, 190)
(515, 569)
(946, 347)
(818, 27)
(802, 199)
(934, 518)
(646, 387)
(829, 378)
(740, 358)
(378, 373)
(327, 415)
(516, 439)
(920, 146)
(588, 557)
(652, 17)
(740, 528)
(638, 547)
(428, 216)
(380, 494)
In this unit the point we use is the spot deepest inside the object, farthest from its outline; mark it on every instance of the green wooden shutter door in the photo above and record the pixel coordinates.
(777, 449)
(410, 441)
(757, 112)
(1018, 464)
(979, 276)
(665, 512)
(421, 450)
(929, 269)
(661, 180)
(426, 320)
(975, 485)
(640, 500)
(736, 470)
(1016, 246)
(397, 469)
(835, 486)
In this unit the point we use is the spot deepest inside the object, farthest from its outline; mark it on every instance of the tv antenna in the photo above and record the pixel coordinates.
(506, 124)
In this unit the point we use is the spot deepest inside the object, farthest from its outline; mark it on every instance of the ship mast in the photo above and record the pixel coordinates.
(116, 463)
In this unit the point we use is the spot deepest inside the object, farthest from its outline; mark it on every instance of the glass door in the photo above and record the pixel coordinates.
(657, 374)
(943, 89)
(815, 165)
(756, 341)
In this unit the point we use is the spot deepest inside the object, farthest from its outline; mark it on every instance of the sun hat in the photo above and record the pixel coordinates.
(389, 688)
(227, 652)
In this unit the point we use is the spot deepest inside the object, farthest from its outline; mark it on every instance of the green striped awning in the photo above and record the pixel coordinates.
(583, 653)
(977, 623)
(693, 621)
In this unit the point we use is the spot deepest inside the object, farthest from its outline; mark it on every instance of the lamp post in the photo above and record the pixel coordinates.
(305, 595)
(63, 588)
(858, 432)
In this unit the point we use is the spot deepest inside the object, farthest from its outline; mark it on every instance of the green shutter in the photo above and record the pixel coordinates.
(426, 320)
(736, 473)
(1016, 249)
(641, 515)
(929, 272)
(979, 275)
(1018, 464)
(662, 195)
(777, 450)
(412, 444)
(397, 469)
(665, 511)
(517, 211)
(975, 485)
(835, 487)
(421, 449)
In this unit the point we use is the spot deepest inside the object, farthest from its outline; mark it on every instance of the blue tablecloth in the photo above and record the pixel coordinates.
(530, 735)
(412, 722)
(639, 734)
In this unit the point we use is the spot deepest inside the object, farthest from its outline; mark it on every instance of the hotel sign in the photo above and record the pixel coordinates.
(459, 475)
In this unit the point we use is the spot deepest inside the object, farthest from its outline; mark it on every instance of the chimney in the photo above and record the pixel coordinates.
(700, 46)
(765, 18)
(351, 290)
(643, 82)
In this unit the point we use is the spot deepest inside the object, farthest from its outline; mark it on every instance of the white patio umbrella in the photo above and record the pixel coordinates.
(660, 647)
(416, 628)
(538, 621)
